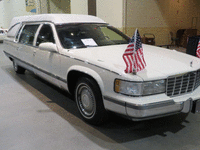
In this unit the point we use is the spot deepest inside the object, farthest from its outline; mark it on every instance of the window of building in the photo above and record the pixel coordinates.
(92, 7)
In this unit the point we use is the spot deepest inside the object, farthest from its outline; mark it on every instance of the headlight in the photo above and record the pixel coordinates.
(139, 88)
(128, 88)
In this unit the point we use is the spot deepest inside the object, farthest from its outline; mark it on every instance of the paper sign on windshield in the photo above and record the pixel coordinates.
(89, 42)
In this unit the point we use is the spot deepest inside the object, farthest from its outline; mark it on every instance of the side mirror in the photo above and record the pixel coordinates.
(48, 46)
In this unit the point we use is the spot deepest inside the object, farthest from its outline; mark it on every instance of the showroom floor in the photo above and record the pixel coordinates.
(35, 115)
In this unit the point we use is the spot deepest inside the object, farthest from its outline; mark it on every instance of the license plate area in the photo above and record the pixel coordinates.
(196, 106)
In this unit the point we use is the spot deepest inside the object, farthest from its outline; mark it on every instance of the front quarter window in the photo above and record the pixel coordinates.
(88, 35)
(45, 35)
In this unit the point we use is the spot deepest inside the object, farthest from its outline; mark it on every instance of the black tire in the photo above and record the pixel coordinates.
(89, 101)
(17, 68)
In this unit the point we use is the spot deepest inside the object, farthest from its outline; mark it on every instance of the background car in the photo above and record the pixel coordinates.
(3, 33)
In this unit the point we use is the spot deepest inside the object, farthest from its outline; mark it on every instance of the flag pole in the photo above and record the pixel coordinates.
(134, 71)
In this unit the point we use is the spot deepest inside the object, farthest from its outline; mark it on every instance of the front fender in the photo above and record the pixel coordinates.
(88, 72)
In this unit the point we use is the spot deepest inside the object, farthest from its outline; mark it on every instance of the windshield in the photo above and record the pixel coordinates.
(89, 35)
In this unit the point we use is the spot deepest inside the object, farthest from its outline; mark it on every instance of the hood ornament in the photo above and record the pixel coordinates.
(191, 63)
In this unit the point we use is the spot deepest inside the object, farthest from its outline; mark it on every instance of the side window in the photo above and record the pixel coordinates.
(27, 34)
(45, 35)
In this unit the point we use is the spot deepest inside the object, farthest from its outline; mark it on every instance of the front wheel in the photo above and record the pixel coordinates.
(89, 101)
(17, 68)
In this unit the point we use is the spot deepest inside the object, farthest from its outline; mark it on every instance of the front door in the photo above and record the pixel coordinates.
(47, 62)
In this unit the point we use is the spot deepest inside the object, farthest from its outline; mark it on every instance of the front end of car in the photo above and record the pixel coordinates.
(142, 100)
(168, 85)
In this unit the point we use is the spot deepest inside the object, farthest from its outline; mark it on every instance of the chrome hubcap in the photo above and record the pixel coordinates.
(86, 101)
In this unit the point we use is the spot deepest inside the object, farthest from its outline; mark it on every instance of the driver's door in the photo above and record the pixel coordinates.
(46, 62)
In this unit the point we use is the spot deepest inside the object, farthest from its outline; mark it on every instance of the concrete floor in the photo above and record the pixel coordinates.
(35, 115)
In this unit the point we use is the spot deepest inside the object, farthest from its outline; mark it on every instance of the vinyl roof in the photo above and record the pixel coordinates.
(58, 18)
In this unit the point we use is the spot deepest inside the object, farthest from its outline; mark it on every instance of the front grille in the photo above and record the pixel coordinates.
(182, 84)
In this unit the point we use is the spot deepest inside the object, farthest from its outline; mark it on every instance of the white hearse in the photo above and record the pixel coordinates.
(83, 55)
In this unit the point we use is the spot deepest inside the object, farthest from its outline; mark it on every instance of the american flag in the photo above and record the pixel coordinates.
(198, 49)
(133, 55)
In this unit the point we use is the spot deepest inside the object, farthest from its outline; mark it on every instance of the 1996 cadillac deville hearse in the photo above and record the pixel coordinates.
(83, 55)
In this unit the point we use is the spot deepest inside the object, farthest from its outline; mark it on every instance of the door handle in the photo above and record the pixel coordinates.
(34, 52)
(18, 48)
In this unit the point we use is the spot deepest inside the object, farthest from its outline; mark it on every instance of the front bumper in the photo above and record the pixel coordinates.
(154, 110)
(151, 110)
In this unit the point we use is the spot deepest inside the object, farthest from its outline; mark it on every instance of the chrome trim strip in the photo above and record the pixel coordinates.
(114, 101)
(194, 83)
(152, 117)
(13, 26)
(141, 107)
(151, 105)
(181, 86)
(92, 64)
(188, 83)
(39, 69)
(22, 44)
(174, 86)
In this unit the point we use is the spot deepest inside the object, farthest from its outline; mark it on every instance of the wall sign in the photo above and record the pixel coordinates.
(30, 6)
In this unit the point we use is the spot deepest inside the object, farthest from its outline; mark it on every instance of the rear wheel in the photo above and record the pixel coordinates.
(17, 68)
(89, 101)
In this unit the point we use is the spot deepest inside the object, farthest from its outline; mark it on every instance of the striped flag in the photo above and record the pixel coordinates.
(133, 55)
(198, 50)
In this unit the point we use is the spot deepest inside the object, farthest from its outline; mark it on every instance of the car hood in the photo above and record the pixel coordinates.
(161, 62)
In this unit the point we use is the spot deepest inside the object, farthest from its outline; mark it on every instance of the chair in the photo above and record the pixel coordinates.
(174, 40)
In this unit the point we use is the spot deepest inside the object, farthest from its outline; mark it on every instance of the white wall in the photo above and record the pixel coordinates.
(79, 7)
(10, 9)
(1, 15)
(111, 11)
(41, 6)
(144, 14)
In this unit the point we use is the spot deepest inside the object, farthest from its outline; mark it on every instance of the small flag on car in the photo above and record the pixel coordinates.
(198, 50)
(133, 55)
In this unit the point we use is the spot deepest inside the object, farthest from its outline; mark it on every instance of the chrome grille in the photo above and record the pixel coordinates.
(181, 84)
